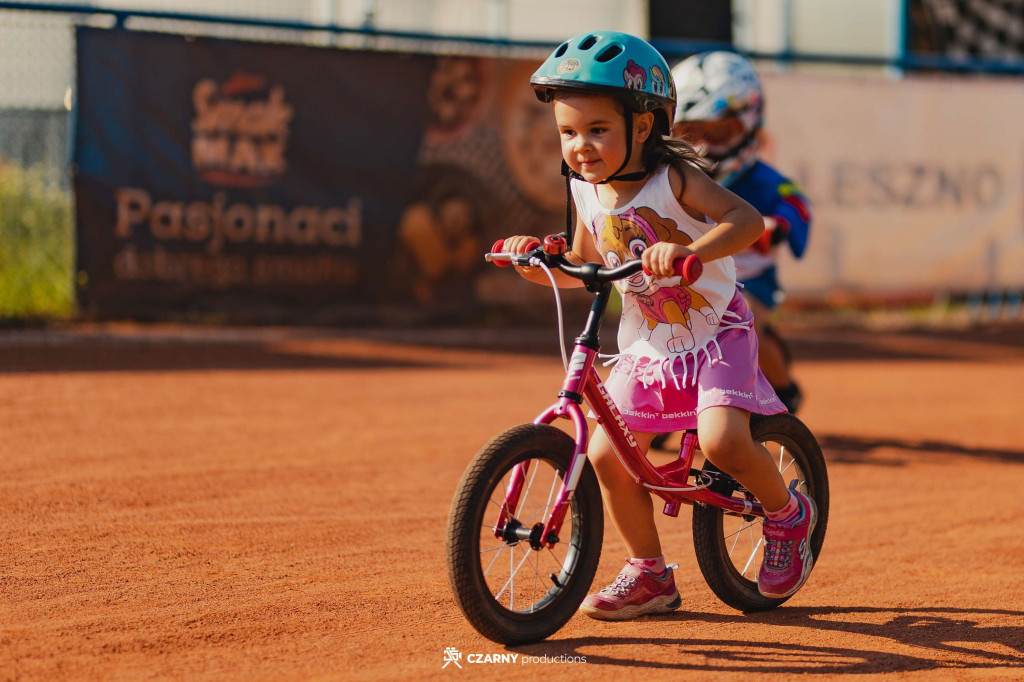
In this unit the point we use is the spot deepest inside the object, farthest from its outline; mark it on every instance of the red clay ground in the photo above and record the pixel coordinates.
(188, 504)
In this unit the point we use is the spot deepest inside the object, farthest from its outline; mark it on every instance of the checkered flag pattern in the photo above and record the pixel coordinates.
(991, 29)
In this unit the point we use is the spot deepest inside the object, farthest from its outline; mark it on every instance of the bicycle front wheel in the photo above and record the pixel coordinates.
(730, 548)
(512, 588)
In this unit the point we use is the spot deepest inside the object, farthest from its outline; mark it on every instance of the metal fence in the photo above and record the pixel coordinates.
(36, 235)
(37, 71)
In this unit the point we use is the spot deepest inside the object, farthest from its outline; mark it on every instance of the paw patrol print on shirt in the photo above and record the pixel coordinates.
(625, 236)
(665, 327)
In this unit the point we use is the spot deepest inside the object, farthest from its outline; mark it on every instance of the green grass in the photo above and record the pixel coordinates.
(36, 246)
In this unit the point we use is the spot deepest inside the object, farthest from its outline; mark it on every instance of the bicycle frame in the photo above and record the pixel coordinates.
(668, 481)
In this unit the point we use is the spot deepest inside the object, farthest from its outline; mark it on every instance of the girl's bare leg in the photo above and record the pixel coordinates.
(724, 435)
(629, 504)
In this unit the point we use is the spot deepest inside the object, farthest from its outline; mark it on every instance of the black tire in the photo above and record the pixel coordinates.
(730, 567)
(485, 588)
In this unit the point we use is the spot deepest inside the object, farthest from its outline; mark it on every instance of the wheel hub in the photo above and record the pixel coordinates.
(515, 532)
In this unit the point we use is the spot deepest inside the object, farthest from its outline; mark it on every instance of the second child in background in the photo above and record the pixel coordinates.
(720, 110)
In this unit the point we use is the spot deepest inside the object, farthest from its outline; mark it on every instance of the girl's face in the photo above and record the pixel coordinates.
(593, 134)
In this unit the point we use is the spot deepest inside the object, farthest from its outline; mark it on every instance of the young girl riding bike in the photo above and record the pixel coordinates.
(688, 354)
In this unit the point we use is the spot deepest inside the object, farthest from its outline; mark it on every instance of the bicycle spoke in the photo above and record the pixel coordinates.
(488, 569)
(560, 563)
(753, 553)
(742, 528)
(525, 494)
(511, 577)
(536, 576)
(497, 504)
(737, 535)
(523, 571)
(511, 583)
(503, 487)
(735, 542)
(495, 549)
(543, 514)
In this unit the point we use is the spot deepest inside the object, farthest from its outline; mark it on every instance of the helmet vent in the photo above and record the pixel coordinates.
(588, 42)
(609, 53)
(561, 49)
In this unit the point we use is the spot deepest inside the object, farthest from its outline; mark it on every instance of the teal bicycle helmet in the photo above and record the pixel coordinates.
(612, 63)
(615, 64)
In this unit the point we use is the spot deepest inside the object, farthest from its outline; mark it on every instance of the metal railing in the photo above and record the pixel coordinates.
(36, 225)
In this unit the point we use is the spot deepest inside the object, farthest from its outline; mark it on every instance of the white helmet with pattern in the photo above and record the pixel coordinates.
(719, 109)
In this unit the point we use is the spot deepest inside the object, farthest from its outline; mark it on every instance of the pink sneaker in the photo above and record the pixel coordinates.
(635, 592)
(787, 552)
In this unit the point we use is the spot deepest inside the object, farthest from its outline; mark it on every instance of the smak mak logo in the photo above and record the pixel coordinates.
(240, 131)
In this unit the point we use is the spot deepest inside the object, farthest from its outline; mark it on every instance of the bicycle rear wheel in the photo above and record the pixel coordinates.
(730, 548)
(509, 590)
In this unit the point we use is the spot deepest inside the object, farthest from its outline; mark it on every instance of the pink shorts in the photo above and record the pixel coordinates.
(733, 380)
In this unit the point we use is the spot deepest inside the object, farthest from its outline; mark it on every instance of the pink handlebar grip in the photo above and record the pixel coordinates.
(689, 268)
(500, 244)
(496, 248)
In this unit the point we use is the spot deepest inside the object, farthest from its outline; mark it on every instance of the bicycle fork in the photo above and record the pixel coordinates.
(568, 407)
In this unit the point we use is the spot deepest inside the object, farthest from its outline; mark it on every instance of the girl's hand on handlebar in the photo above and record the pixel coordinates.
(520, 244)
(660, 258)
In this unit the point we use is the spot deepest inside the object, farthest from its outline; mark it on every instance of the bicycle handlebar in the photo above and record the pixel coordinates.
(689, 268)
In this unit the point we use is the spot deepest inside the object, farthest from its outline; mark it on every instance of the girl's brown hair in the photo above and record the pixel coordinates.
(661, 149)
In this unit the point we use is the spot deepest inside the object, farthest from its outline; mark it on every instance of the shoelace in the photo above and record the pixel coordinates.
(778, 553)
(623, 585)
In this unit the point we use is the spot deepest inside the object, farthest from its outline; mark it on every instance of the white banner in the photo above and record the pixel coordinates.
(917, 184)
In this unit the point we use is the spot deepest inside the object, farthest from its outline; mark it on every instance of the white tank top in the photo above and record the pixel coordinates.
(661, 320)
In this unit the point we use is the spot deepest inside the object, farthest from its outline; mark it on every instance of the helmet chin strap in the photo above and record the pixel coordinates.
(625, 177)
(638, 175)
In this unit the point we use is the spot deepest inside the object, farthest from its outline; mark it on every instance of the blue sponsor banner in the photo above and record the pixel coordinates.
(222, 176)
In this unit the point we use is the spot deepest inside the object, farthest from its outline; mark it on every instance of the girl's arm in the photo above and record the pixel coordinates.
(739, 223)
(583, 251)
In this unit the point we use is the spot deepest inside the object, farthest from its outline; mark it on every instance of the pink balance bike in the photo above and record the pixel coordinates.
(526, 525)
